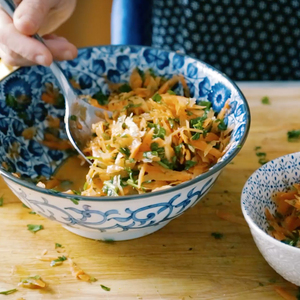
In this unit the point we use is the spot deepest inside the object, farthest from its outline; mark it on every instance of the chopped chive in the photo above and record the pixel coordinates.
(34, 228)
(105, 288)
(8, 292)
(265, 100)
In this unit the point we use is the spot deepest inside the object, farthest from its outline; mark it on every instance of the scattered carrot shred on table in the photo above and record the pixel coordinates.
(284, 294)
(230, 217)
(33, 282)
(77, 272)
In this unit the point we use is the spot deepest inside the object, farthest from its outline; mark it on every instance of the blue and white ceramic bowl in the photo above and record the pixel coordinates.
(276, 175)
(103, 218)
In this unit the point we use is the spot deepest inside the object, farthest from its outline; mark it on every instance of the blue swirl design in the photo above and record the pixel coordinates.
(145, 216)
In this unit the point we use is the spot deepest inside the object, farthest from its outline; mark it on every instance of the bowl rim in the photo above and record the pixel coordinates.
(250, 221)
(214, 169)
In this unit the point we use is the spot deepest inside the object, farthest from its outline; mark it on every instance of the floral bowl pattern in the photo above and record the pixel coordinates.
(276, 175)
(24, 102)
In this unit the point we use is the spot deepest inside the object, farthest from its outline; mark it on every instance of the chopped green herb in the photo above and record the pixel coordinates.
(163, 164)
(132, 183)
(57, 245)
(32, 212)
(261, 154)
(34, 228)
(105, 288)
(36, 277)
(198, 122)
(8, 292)
(58, 261)
(196, 136)
(156, 98)
(151, 72)
(76, 192)
(101, 98)
(293, 135)
(173, 121)
(1, 201)
(239, 146)
(131, 160)
(125, 151)
(150, 154)
(109, 188)
(75, 201)
(109, 241)
(85, 186)
(222, 125)
(25, 205)
(125, 88)
(132, 105)
(257, 148)
(278, 215)
(11, 101)
(171, 92)
(262, 161)
(189, 164)
(189, 113)
(155, 147)
(73, 118)
(265, 100)
(93, 279)
(178, 148)
(106, 136)
(141, 73)
(260, 284)
(159, 132)
(272, 280)
(204, 103)
(217, 235)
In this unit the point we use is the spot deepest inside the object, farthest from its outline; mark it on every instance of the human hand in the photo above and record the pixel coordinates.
(17, 48)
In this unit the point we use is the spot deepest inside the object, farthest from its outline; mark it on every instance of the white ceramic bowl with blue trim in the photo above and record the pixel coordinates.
(114, 218)
(277, 175)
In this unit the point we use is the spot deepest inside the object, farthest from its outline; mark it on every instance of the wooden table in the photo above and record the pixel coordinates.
(181, 261)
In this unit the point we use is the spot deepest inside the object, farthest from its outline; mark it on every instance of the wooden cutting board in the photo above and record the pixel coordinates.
(181, 261)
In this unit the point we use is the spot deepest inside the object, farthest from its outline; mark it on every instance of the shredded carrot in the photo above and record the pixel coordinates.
(77, 272)
(155, 138)
(284, 294)
(230, 217)
(284, 225)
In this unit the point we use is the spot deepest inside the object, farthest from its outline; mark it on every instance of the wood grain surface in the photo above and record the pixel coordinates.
(182, 260)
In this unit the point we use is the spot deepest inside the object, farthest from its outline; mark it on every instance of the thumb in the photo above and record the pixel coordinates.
(30, 15)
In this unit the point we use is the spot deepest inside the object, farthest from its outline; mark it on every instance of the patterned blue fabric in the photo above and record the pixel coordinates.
(245, 39)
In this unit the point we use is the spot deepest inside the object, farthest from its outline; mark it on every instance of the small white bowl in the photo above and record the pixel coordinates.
(276, 175)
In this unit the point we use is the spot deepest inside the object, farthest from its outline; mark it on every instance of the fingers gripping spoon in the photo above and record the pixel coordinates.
(79, 114)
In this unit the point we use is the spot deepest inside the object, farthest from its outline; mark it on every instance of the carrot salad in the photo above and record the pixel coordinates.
(284, 225)
(155, 139)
